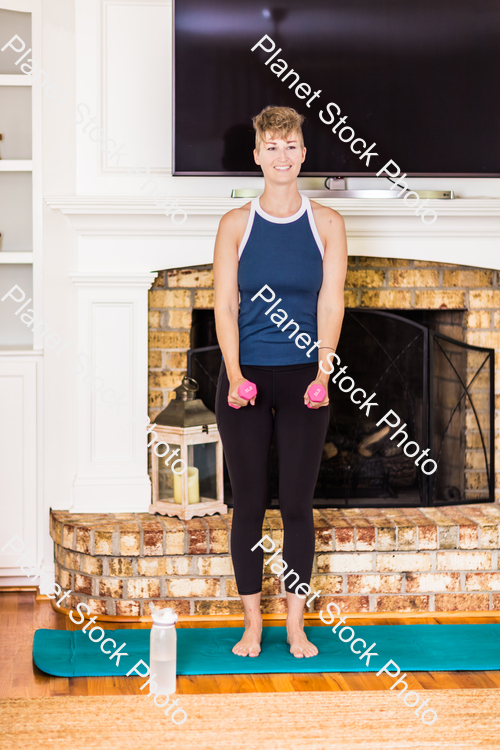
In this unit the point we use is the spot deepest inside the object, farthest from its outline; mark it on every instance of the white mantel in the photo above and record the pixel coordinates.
(466, 232)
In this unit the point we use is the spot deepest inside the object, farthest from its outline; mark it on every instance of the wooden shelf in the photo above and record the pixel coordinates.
(15, 80)
(16, 165)
(17, 257)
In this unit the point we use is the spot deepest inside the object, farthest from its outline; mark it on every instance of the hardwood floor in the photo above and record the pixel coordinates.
(21, 615)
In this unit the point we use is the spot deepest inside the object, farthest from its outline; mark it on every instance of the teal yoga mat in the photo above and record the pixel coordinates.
(208, 650)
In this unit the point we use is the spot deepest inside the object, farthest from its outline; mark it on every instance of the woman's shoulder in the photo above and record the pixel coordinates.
(238, 214)
(330, 227)
(326, 215)
(236, 219)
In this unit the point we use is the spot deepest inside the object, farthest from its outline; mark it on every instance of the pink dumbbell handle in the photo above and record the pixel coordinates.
(246, 390)
(316, 393)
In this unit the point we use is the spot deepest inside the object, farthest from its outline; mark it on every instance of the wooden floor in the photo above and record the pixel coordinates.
(21, 615)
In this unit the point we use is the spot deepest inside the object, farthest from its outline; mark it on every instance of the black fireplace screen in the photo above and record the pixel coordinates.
(437, 391)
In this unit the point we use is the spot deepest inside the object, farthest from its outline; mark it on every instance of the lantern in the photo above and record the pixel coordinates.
(187, 458)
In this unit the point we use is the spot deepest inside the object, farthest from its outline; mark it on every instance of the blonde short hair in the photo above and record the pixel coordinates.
(277, 121)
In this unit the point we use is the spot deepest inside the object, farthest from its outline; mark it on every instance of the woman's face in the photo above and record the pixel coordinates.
(280, 160)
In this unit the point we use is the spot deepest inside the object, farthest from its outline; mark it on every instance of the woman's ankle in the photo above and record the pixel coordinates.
(251, 610)
(254, 622)
(294, 624)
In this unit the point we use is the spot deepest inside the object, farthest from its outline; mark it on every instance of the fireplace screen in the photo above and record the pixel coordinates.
(442, 391)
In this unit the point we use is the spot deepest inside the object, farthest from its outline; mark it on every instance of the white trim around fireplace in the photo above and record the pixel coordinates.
(112, 377)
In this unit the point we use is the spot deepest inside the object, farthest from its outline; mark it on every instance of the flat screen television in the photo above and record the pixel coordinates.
(419, 79)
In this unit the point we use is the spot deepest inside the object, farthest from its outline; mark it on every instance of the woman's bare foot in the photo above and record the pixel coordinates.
(250, 643)
(300, 646)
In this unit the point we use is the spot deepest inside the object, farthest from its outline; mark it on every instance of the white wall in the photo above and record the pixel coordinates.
(59, 259)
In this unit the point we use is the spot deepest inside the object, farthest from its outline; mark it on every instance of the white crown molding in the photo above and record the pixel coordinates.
(217, 206)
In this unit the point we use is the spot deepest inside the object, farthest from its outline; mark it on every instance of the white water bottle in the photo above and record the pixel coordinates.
(163, 650)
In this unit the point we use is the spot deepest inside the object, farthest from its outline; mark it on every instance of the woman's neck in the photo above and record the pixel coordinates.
(281, 200)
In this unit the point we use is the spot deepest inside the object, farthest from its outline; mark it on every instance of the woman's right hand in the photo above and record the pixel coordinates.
(233, 398)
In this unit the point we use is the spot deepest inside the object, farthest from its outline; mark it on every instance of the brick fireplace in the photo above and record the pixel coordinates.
(368, 560)
(372, 283)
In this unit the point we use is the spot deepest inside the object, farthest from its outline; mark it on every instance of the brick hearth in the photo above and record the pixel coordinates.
(370, 560)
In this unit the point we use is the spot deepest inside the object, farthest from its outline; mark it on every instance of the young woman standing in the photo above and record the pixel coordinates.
(299, 250)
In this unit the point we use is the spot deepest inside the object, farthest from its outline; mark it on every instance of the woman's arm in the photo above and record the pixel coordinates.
(331, 296)
(226, 304)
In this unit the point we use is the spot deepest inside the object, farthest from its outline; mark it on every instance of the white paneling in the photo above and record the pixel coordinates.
(135, 60)
(146, 254)
(113, 343)
(18, 459)
(87, 60)
(11, 442)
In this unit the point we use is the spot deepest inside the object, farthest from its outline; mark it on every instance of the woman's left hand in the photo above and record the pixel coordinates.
(316, 404)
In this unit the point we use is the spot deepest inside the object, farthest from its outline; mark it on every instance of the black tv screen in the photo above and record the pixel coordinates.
(419, 79)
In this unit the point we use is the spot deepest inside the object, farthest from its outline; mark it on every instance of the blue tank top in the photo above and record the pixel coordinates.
(280, 274)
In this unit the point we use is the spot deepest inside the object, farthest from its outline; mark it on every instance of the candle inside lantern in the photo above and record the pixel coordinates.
(193, 486)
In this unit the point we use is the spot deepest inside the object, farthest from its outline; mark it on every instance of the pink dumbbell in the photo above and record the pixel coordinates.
(246, 390)
(316, 393)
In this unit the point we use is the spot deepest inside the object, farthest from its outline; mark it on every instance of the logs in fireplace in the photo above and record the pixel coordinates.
(416, 363)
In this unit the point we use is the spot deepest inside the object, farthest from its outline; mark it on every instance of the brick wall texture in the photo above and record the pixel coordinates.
(385, 283)
(369, 560)
(172, 299)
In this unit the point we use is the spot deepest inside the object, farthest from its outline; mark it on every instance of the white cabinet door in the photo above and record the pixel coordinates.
(18, 462)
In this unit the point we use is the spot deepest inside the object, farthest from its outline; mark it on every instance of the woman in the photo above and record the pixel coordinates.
(280, 244)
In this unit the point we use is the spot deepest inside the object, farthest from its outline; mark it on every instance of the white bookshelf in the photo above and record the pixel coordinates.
(21, 358)
(19, 178)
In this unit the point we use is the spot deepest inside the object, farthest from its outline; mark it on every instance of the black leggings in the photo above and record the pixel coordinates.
(246, 435)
